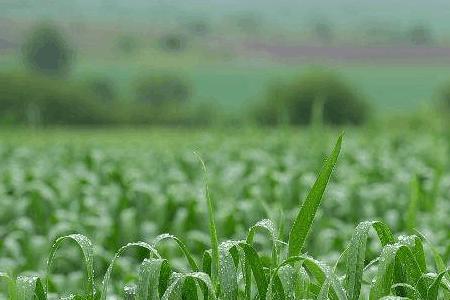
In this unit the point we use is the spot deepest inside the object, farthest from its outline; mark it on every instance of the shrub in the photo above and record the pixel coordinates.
(420, 35)
(444, 97)
(323, 32)
(46, 50)
(127, 44)
(36, 100)
(162, 89)
(198, 27)
(173, 42)
(315, 93)
(102, 88)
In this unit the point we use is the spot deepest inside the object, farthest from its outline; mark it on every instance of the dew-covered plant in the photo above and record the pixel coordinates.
(279, 268)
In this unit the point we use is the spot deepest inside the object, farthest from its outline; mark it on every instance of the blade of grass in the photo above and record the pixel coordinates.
(11, 285)
(152, 279)
(182, 247)
(308, 209)
(87, 250)
(268, 226)
(356, 255)
(212, 227)
(30, 288)
(108, 273)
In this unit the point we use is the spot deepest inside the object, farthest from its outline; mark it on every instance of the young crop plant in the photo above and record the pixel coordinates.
(240, 270)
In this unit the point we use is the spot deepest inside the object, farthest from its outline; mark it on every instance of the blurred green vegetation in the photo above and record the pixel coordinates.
(317, 96)
(35, 100)
(46, 50)
(222, 67)
(444, 98)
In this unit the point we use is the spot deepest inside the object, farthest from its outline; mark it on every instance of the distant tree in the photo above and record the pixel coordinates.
(102, 87)
(317, 96)
(32, 99)
(46, 50)
(249, 23)
(198, 27)
(323, 32)
(127, 44)
(420, 35)
(162, 89)
(444, 98)
(173, 42)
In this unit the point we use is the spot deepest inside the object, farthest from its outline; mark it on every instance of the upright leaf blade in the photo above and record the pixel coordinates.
(356, 256)
(305, 217)
(212, 227)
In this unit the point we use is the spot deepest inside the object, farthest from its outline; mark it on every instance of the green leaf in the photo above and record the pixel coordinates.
(383, 280)
(227, 272)
(305, 217)
(433, 290)
(107, 276)
(325, 276)
(11, 285)
(178, 287)
(413, 207)
(30, 288)
(153, 277)
(268, 226)
(212, 227)
(130, 292)
(410, 269)
(254, 263)
(88, 256)
(182, 247)
(356, 255)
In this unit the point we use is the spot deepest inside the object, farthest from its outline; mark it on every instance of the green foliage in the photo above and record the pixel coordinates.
(36, 100)
(296, 102)
(173, 42)
(308, 210)
(102, 190)
(102, 88)
(198, 27)
(127, 44)
(46, 50)
(323, 32)
(444, 98)
(30, 99)
(420, 35)
(162, 89)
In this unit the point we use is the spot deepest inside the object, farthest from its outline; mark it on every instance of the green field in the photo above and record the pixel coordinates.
(224, 150)
(120, 187)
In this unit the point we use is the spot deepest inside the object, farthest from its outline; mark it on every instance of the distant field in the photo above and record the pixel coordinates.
(388, 86)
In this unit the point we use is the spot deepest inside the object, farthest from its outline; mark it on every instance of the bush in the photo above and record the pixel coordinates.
(173, 42)
(36, 100)
(162, 89)
(127, 44)
(102, 87)
(315, 93)
(198, 27)
(420, 35)
(443, 96)
(47, 51)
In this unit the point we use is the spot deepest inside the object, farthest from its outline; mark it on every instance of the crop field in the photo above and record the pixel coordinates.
(275, 214)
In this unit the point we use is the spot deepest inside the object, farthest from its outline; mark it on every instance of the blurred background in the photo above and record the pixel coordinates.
(198, 63)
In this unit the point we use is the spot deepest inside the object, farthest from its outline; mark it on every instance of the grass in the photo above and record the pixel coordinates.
(219, 249)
